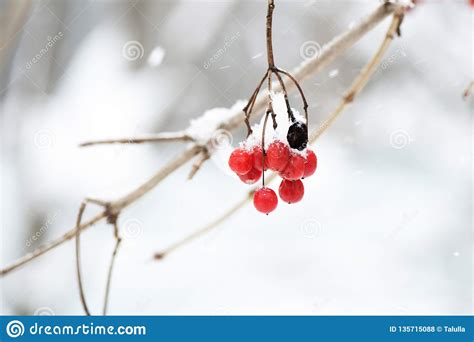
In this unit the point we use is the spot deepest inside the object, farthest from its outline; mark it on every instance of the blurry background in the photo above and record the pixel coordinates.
(385, 225)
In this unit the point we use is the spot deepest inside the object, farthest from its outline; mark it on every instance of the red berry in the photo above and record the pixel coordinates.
(295, 168)
(291, 191)
(251, 177)
(258, 158)
(241, 161)
(265, 200)
(311, 163)
(277, 156)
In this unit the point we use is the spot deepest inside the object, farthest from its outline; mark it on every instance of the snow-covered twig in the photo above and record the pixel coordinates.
(358, 84)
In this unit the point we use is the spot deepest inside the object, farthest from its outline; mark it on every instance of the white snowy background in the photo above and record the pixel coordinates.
(385, 225)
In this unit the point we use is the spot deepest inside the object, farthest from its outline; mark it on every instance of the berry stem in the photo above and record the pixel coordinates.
(263, 143)
(291, 117)
(248, 108)
(305, 103)
(271, 7)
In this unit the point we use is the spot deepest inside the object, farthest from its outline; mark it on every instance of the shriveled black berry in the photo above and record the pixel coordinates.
(298, 136)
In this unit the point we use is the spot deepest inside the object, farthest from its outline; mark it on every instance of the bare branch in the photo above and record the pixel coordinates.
(205, 229)
(160, 137)
(117, 206)
(468, 90)
(204, 155)
(118, 240)
(354, 89)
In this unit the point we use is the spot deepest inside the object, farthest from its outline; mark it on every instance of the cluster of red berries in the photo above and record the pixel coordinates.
(291, 165)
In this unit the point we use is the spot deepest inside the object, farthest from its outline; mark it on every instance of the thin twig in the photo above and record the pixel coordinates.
(204, 229)
(329, 52)
(354, 89)
(305, 103)
(291, 117)
(160, 137)
(117, 205)
(78, 258)
(271, 7)
(467, 92)
(198, 163)
(248, 108)
(118, 240)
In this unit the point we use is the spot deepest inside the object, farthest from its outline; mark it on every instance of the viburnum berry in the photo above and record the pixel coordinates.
(311, 163)
(265, 200)
(291, 191)
(297, 136)
(251, 177)
(277, 156)
(295, 168)
(241, 161)
(258, 158)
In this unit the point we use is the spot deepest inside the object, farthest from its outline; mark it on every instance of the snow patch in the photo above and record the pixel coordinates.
(203, 128)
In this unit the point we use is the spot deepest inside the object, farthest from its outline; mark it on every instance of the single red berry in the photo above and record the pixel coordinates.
(241, 161)
(258, 158)
(311, 163)
(277, 156)
(265, 200)
(291, 191)
(251, 177)
(295, 168)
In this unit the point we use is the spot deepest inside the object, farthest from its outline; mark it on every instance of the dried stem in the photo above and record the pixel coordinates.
(118, 240)
(363, 76)
(295, 82)
(354, 89)
(329, 52)
(264, 152)
(78, 258)
(248, 108)
(204, 229)
(291, 117)
(271, 7)
(467, 92)
(160, 137)
(204, 155)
